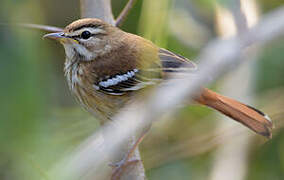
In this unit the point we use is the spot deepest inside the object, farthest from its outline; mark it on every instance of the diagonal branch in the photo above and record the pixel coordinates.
(122, 16)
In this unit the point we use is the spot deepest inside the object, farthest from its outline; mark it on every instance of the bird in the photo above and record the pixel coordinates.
(106, 68)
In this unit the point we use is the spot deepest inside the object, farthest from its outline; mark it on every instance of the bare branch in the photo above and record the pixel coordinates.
(100, 9)
(44, 28)
(122, 16)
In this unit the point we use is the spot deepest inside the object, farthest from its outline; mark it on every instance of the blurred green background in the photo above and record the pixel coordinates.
(41, 122)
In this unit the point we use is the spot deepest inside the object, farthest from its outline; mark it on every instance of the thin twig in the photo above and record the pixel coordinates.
(122, 16)
(41, 27)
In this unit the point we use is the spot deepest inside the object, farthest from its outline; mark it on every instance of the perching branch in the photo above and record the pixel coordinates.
(215, 60)
(101, 9)
(122, 16)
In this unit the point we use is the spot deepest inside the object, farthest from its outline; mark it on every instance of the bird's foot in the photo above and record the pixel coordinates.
(121, 166)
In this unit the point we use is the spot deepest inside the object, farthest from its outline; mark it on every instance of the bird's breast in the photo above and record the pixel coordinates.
(81, 82)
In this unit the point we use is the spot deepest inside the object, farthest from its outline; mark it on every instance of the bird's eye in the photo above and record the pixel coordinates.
(86, 35)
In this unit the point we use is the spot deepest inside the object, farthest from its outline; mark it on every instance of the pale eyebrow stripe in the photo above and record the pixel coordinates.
(86, 26)
(93, 32)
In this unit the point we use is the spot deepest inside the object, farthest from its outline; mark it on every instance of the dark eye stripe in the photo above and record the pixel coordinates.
(79, 36)
(74, 37)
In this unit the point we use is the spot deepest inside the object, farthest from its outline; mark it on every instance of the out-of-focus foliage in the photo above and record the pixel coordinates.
(41, 122)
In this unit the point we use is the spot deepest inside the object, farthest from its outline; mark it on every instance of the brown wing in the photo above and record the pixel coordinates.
(137, 79)
(172, 62)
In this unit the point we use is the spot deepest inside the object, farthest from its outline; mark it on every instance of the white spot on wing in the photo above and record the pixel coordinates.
(118, 79)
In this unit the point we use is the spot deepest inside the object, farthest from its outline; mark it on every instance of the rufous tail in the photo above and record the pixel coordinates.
(247, 115)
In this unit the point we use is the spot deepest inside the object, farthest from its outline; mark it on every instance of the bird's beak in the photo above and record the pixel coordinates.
(60, 37)
(54, 36)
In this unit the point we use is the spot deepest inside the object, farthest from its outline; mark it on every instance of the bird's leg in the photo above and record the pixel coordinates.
(122, 165)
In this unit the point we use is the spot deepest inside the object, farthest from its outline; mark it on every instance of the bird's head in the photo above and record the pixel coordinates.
(87, 38)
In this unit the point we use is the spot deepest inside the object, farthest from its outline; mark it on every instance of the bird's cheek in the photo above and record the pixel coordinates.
(97, 46)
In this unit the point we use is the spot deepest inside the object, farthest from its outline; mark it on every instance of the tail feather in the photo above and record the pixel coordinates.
(247, 115)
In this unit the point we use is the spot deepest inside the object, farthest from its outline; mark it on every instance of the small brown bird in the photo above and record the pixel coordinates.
(106, 67)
